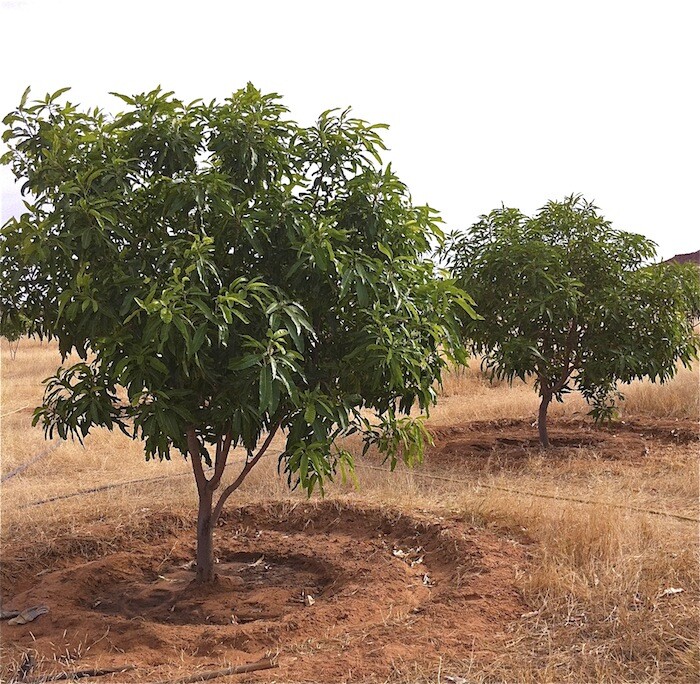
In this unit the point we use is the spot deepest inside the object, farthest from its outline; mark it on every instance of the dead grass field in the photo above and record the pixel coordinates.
(582, 588)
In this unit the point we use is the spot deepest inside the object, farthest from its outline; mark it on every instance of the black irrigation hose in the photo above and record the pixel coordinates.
(38, 457)
(101, 488)
(511, 490)
(523, 492)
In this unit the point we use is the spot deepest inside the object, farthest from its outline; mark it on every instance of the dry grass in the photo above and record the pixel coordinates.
(595, 585)
(676, 399)
(486, 400)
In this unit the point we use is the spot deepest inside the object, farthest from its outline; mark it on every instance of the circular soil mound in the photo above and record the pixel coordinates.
(340, 592)
(493, 445)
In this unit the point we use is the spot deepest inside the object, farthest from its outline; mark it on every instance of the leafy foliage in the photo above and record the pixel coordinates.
(222, 271)
(568, 299)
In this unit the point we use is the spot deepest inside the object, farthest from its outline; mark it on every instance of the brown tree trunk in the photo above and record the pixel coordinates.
(208, 514)
(542, 419)
(205, 538)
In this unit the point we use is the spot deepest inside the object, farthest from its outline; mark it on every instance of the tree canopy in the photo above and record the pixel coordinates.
(224, 272)
(566, 298)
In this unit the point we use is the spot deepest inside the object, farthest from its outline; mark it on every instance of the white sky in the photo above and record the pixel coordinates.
(492, 101)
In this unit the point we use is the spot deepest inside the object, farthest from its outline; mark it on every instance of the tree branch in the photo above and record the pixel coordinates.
(568, 362)
(250, 464)
(196, 458)
(223, 446)
(543, 379)
(215, 674)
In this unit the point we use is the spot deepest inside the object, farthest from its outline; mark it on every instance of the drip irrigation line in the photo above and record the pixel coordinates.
(511, 490)
(112, 485)
(102, 488)
(21, 408)
(79, 674)
(524, 492)
(38, 457)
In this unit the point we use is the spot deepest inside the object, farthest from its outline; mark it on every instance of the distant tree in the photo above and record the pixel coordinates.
(567, 299)
(235, 274)
(13, 329)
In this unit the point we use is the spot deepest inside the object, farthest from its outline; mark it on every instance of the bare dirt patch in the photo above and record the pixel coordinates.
(340, 592)
(495, 445)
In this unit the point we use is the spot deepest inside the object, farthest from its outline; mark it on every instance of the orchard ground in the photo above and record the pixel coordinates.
(493, 561)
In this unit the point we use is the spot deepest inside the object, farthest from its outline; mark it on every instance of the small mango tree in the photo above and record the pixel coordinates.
(225, 274)
(13, 331)
(567, 299)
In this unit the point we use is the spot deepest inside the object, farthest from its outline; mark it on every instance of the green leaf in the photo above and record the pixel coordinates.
(265, 388)
(244, 362)
(310, 414)
(25, 95)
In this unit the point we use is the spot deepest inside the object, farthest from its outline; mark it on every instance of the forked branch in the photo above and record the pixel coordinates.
(249, 465)
(196, 456)
(223, 446)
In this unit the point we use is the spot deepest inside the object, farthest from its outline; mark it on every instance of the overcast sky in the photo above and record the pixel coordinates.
(489, 102)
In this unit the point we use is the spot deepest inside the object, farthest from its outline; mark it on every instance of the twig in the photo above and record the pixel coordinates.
(27, 665)
(213, 674)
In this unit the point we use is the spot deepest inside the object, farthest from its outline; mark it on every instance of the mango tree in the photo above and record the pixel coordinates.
(226, 275)
(567, 299)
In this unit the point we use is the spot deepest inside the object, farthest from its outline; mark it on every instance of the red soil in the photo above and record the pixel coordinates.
(494, 445)
(390, 592)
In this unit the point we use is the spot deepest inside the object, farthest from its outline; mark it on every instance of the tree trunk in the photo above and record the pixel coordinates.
(542, 419)
(209, 514)
(205, 540)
